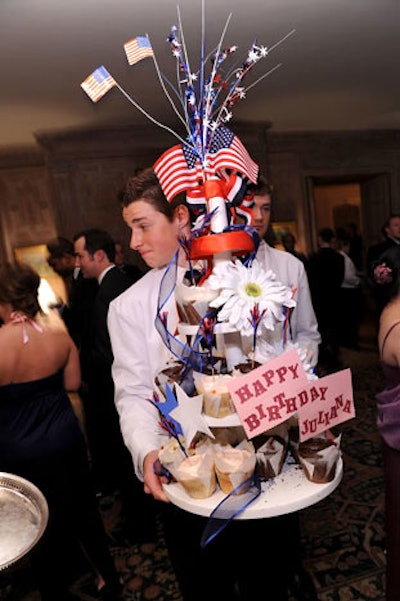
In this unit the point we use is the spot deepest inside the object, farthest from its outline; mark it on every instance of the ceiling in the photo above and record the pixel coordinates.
(340, 69)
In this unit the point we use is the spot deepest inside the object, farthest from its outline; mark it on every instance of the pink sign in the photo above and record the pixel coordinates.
(325, 403)
(267, 396)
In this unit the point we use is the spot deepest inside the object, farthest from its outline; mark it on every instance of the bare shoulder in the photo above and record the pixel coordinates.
(389, 325)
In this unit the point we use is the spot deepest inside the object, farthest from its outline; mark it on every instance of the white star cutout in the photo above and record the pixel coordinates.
(253, 56)
(189, 414)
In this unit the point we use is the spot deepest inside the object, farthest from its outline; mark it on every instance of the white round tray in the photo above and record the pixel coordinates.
(288, 492)
(223, 422)
(23, 518)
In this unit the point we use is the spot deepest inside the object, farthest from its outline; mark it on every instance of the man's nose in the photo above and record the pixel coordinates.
(136, 239)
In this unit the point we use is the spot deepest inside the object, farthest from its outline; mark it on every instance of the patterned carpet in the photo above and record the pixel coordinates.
(344, 545)
(343, 535)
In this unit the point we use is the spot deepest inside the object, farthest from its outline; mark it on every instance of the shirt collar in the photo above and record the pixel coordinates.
(103, 273)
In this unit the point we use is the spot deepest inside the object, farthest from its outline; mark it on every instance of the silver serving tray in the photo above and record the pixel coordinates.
(23, 518)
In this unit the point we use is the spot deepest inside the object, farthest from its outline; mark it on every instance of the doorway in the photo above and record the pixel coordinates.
(362, 200)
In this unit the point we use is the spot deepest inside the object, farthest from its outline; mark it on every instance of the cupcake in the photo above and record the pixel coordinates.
(217, 400)
(171, 455)
(173, 373)
(271, 450)
(318, 457)
(193, 302)
(234, 466)
(231, 435)
(196, 474)
(245, 367)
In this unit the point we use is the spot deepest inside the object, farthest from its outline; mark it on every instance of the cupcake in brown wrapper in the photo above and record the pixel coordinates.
(271, 450)
(318, 457)
(245, 368)
(193, 302)
(169, 375)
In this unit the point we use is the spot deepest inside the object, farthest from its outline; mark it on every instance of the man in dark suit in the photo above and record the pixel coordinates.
(112, 464)
(391, 243)
(80, 292)
(326, 274)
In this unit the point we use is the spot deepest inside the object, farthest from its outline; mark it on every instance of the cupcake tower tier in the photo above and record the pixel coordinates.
(286, 493)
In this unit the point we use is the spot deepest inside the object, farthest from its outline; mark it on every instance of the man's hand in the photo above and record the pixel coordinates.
(152, 482)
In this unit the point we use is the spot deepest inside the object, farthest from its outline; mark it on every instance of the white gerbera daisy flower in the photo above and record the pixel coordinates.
(241, 288)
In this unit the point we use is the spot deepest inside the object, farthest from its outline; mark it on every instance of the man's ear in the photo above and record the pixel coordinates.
(100, 255)
(182, 216)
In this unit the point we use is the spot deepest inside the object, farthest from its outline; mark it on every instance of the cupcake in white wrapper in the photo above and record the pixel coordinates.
(217, 401)
(171, 455)
(234, 466)
(197, 475)
(193, 302)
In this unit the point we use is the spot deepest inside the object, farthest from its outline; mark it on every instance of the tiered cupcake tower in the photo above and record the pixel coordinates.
(211, 163)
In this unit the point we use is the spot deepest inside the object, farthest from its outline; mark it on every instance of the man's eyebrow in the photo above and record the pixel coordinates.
(138, 219)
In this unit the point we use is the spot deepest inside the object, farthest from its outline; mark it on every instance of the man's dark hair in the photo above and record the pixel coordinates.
(261, 188)
(145, 185)
(59, 247)
(97, 239)
(389, 219)
(326, 234)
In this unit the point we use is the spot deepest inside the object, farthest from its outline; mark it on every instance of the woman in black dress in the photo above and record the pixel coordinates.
(41, 438)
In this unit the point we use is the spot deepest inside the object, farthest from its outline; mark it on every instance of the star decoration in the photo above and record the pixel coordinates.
(189, 415)
(227, 116)
(253, 56)
(166, 407)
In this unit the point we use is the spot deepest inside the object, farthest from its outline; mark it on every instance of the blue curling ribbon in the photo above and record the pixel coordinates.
(231, 506)
(188, 356)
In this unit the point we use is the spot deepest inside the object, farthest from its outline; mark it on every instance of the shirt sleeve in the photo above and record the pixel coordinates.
(304, 322)
(137, 350)
(291, 272)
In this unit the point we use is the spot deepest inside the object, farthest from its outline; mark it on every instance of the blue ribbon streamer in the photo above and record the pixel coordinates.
(231, 506)
(188, 356)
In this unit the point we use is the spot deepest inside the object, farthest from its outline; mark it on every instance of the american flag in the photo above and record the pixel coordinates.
(227, 152)
(137, 49)
(98, 84)
(179, 168)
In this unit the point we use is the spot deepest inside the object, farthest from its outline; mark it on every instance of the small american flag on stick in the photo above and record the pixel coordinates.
(137, 49)
(98, 84)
